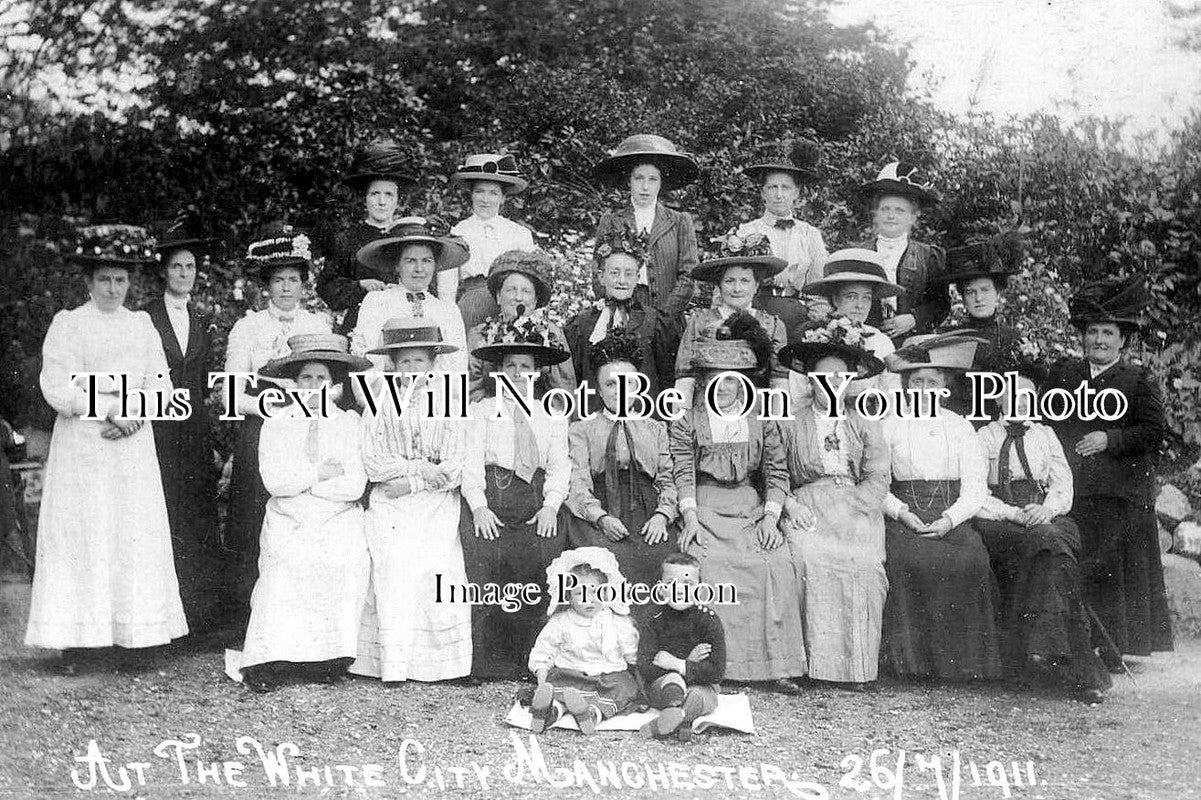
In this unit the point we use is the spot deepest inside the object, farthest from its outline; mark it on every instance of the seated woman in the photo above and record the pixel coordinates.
(1035, 548)
(743, 264)
(313, 561)
(515, 479)
(620, 257)
(939, 617)
(414, 462)
(626, 463)
(730, 525)
(520, 283)
(839, 470)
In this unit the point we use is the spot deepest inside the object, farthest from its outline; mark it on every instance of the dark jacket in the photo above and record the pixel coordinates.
(1126, 468)
(658, 336)
(338, 283)
(927, 300)
(677, 632)
(673, 254)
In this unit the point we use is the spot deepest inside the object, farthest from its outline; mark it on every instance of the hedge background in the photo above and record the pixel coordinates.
(249, 111)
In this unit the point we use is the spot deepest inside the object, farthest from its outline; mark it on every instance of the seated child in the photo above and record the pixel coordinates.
(582, 658)
(681, 657)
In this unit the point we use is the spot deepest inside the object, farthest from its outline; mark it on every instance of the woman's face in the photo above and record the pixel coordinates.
(285, 287)
(980, 298)
(926, 379)
(832, 365)
(383, 198)
(487, 197)
(780, 192)
(729, 392)
(645, 182)
(108, 287)
(416, 267)
(894, 216)
(516, 290)
(607, 377)
(1103, 343)
(413, 359)
(517, 364)
(619, 276)
(738, 287)
(1018, 406)
(179, 272)
(854, 300)
(312, 377)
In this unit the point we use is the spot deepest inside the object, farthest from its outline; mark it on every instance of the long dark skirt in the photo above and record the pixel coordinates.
(247, 506)
(639, 561)
(501, 640)
(939, 616)
(1042, 608)
(1122, 572)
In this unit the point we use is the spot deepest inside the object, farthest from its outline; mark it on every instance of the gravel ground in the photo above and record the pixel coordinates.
(1144, 741)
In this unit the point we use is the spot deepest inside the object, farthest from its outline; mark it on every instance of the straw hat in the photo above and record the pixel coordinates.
(855, 265)
(677, 167)
(495, 167)
(403, 333)
(526, 335)
(954, 351)
(752, 251)
(127, 246)
(838, 337)
(279, 245)
(332, 349)
(382, 255)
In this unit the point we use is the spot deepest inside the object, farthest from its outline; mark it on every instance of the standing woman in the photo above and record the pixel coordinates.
(377, 175)
(896, 199)
(314, 566)
(780, 178)
(516, 477)
(623, 496)
(491, 178)
(281, 257)
(730, 524)
(645, 165)
(184, 446)
(839, 471)
(1113, 464)
(105, 574)
(939, 617)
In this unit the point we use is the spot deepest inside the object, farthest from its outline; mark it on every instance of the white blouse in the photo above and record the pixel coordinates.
(891, 251)
(486, 239)
(290, 475)
(1047, 462)
(263, 335)
(801, 246)
(379, 307)
(606, 642)
(945, 448)
(490, 441)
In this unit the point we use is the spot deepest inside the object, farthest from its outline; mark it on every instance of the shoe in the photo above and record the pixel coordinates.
(1092, 697)
(578, 707)
(667, 723)
(259, 684)
(540, 707)
(784, 686)
(693, 706)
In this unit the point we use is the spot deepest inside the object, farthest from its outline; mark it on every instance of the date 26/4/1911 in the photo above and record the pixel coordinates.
(887, 774)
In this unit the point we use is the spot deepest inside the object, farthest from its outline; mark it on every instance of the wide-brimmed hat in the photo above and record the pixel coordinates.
(182, 233)
(381, 160)
(332, 349)
(677, 167)
(495, 167)
(529, 335)
(855, 265)
(404, 333)
(599, 558)
(279, 245)
(954, 351)
(798, 157)
(382, 255)
(902, 179)
(534, 264)
(1119, 301)
(752, 251)
(739, 343)
(996, 257)
(837, 337)
(128, 246)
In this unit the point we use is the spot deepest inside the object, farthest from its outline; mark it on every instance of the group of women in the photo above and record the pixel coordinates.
(924, 545)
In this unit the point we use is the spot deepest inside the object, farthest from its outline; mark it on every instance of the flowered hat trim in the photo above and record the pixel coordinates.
(116, 244)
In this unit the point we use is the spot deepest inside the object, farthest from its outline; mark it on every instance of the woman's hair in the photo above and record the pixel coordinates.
(620, 345)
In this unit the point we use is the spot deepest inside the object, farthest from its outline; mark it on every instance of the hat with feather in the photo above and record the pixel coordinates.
(1119, 301)
(998, 257)
(796, 157)
(381, 160)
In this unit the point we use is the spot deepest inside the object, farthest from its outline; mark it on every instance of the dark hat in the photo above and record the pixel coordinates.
(855, 265)
(405, 333)
(619, 344)
(534, 264)
(128, 246)
(677, 167)
(997, 257)
(279, 245)
(331, 349)
(495, 167)
(902, 179)
(1115, 300)
(529, 335)
(381, 160)
(752, 251)
(739, 343)
(837, 337)
(954, 351)
(182, 233)
(451, 252)
(798, 157)
(623, 239)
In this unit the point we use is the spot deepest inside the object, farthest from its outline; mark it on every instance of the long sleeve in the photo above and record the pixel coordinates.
(238, 359)
(562, 375)
(284, 469)
(973, 472)
(935, 300)
(447, 283)
(337, 285)
(546, 646)
(687, 347)
(347, 487)
(774, 467)
(1146, 434)
(454, 333)
(686, 250)
(665, 483)
(683, 459)
(779, 337)
(627, 638)
(818, 255)
(454, 453)
(648, 646)
(1060, 483)
(61, 358)
(876, 467)
(580, 499)
(472, 480)
(558, 465)
(712, 669)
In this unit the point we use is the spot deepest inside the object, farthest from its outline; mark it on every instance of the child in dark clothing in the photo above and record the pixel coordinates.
(681, 656)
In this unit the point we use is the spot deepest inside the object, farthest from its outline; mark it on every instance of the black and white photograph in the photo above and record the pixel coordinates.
(600, 398)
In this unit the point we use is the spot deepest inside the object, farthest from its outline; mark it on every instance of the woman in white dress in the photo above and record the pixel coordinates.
(491, 178)
(313, 564)
(105, 573)
(414, 462)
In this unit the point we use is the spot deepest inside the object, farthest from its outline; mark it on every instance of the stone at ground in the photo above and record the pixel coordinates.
(1182, 577)
(1172, 506)
(1186, 540)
